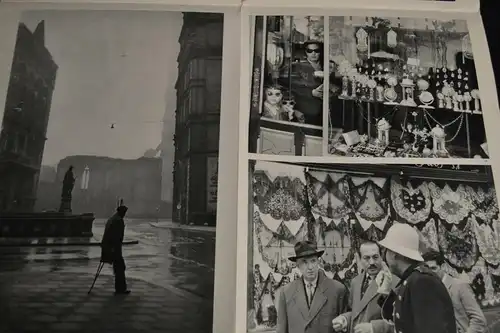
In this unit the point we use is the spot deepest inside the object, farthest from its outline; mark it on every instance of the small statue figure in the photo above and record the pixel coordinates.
(67, 189)
(383, 128)
(438, 141)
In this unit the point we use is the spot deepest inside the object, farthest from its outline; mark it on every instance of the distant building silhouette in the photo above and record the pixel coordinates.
(197, 118)
(26, 116)
(100, 181)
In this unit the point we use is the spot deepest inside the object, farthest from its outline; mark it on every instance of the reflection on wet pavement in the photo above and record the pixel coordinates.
(164, 256)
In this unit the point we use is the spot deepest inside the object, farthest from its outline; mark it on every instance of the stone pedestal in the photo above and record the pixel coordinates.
(65, 205)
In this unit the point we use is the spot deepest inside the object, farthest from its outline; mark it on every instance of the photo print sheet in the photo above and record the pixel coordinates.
(336, 206)
(397, 87)
(357, 122)
(104, 109)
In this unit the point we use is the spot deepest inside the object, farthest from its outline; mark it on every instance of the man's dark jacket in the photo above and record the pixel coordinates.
(111, 244)
(420, 304)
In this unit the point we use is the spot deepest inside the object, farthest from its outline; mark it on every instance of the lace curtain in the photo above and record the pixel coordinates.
(336, 210)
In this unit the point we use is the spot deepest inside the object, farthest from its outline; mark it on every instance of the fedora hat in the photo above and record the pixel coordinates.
(305, 249)
(403, 240)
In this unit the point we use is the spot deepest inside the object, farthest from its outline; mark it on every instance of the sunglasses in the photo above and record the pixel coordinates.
(290, 103)
(312, 50)
(277, 94)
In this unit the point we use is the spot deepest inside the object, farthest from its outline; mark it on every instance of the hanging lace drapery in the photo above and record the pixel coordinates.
(458, 246)
(328, 195)
(429, 236)
(412, 204)
(488, 240)
(370, 201)
(282, 198)
(485, 203)
(336, 241)
(274, 247)
(266, 309)
(451, 206)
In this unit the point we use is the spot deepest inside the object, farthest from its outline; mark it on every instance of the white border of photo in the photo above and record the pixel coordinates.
(225, 272)
(319, 7)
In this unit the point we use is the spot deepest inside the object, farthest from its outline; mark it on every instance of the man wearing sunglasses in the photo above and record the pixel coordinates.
(306, 82)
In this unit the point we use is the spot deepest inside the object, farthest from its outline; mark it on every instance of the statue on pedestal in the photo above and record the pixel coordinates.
(67, 189)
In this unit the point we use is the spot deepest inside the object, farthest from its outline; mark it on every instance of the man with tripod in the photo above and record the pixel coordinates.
(111, 246)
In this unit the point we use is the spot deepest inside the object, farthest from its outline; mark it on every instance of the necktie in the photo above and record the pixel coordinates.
(310, 293)
(365, 285)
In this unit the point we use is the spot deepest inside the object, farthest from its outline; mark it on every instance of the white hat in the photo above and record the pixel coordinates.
(404, 240)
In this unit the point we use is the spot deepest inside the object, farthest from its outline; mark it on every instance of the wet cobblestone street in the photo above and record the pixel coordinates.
(170, 273)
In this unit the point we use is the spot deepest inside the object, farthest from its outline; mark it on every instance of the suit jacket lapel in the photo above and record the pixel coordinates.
(301, 299)
(319, 298)
(356, 299)
(447, 282)
(370, 293)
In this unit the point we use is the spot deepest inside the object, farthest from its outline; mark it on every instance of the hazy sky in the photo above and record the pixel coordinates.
(114, 67)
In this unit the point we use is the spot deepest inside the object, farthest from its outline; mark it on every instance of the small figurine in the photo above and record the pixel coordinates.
(383, 128)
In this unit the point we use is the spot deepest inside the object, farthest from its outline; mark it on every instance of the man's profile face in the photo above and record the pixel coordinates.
(309, 267)
(313, 52)
(392, 262)
(371, 260)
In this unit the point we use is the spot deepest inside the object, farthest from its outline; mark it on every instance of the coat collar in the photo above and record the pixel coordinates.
(319, 298)
(360, 303)
(447, 281)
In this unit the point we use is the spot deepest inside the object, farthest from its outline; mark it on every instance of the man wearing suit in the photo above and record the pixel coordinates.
(365, 316)
(308, 304)
(468, 313)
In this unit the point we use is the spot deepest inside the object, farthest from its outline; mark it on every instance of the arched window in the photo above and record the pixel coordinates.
(85, 178)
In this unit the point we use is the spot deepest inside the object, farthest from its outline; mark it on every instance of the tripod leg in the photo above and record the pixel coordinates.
(99, 269)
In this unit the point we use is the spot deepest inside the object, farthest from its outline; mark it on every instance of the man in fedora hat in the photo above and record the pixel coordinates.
(421, 303)
(111, 248)
(308, 304)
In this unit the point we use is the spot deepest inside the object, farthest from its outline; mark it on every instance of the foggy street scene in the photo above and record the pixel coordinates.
(111, 118)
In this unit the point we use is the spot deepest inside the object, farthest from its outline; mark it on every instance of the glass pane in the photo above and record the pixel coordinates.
(287, 85)
(405, 87)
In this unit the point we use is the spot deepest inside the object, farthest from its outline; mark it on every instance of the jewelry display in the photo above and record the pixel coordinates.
(438, 141)
(475, 95)
(467, 100)
(353, 75)
(425, 97)
(383, 128)
(392, 38)
(390, 93)
(397, 74)
(455, 103)
(371, 84)
(441, 99)
(362, 38)
(448, 93)
(345, 86)
(380, 93)
(408, 87)
(460, 99)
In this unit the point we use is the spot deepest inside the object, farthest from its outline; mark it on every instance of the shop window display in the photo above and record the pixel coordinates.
(408, 89)
(288, 86)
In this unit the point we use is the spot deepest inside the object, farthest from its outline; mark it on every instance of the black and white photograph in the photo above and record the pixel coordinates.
(337, 224)
(286, 112)
(109, 152)
(404, 87)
